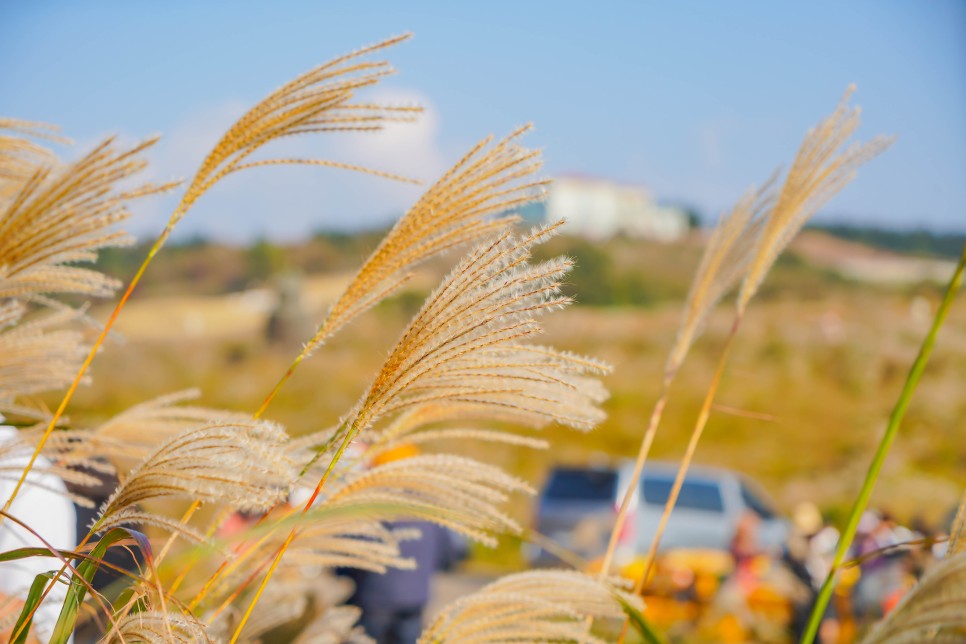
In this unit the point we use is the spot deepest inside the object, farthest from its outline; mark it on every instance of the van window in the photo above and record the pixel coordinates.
(756, 504)
(695, 495)
(581, 485)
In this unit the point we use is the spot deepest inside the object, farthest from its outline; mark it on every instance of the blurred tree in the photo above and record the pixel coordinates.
(263, 260)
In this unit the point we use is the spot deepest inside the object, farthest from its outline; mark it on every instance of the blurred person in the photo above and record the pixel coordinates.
(730, 612)
(42, 503)
(770, 592)
(393, 602)
(86, 515)
(864, 592)
(821, 552)
(806, 523)
(744, 547)
(907, 563)
(129, 559)
(881, 574)
(809, 555)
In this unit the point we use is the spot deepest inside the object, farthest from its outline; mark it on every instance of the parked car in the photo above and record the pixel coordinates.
(577, 506)
(575, 509)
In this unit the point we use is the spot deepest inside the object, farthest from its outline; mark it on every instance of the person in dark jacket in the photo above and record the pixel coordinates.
(393, 602)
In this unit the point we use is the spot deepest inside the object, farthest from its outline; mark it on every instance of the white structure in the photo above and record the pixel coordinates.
(43, 505)
(600, 208)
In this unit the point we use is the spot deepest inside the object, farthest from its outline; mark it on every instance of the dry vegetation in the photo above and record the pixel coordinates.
(812, 336)
(465, 369)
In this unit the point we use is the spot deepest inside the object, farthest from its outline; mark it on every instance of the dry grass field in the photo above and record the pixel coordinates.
(813, 377)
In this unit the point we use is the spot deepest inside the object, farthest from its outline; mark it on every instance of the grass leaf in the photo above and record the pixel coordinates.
(639, 622)
(87, 569)
(34, 597)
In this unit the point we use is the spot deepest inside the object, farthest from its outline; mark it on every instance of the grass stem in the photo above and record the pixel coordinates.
(349, 435)
(621, 517)
(685, 464)
(699, 426)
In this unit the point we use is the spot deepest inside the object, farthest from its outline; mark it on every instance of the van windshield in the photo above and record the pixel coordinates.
(695, 495)
(581, 485)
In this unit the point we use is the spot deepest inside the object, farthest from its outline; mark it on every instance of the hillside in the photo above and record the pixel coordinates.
(813, 378)
(636, 272)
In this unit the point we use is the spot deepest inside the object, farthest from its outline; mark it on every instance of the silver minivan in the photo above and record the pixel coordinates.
(577, 506)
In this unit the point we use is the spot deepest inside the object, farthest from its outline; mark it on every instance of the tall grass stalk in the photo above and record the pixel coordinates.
(288, 540)
(743, 248)
(724, 261)
(768, 224)
(696, 433)
(892, 429)
(652, 424)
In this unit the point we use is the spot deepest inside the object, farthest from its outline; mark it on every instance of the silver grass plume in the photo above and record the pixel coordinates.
(724, 262)
(19, 155)
(421, 424)
(457, 434)
(459, 493)
(320, 100)
(535, 606)
(333, 622)
(241, 465)
(277, 610)
(14, 454)
(39, 355)
(818, 172)
(63, 214)
(335, 625)
(934, 610)
(467, 345)
(408, 423)
(297, 593)
(434, 413)
(361, 542)
(156, 627)
(128, 437)
(488, 180)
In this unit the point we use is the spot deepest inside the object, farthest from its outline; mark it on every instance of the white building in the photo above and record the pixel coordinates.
(599, 208)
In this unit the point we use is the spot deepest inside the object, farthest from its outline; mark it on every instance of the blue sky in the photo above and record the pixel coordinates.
(695, 100)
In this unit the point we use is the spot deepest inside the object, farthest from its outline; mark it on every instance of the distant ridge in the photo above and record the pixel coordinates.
(922, 243)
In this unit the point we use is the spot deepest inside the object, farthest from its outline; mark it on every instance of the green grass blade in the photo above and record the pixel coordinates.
(87, 569)
(640, 623)
(34, 596)
(24, 553)
(898, 413)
